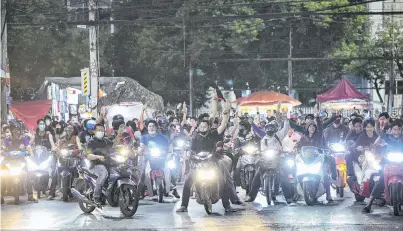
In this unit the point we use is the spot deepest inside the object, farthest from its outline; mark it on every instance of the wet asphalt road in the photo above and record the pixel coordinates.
(343, 214)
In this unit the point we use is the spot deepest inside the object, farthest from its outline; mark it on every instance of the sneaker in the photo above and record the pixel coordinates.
(51, 197)
(238, 202)
(229, 209)
(249, 199)
(329, 199)
(176, 194)
(289, 201)
(366, 209)
(182, 209)
(31, 198)
(97, 201)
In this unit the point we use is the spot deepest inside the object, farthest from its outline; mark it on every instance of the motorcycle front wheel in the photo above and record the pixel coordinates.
(267, 188)
(86, 208)
(208, 206)
(310, 192)
(66, 187)
(128, 200)
(161, 193)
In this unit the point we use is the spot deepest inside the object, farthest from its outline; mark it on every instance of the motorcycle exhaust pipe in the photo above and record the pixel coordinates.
(81, 197)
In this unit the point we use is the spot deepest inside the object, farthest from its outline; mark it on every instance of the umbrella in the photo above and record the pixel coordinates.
(263, 98)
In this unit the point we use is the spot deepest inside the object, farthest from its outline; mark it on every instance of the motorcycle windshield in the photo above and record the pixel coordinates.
(41, 154)
(309, 154)
(16, 154)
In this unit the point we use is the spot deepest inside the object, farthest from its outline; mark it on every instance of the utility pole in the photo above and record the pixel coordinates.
(290, 63)
(190, 87)
(3, 62)
(93, 6)
(392, 68)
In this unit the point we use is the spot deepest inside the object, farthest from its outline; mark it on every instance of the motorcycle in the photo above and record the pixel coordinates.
(40, 165)
(66, 164)
(270, 160)
(339, 153)
(120, 178)
(179, 150)
(393, 175)
(12, 170)
(157, 174)
(367, 174)
(288, 181)
(247, 163)
(207, 186)
(309, 165)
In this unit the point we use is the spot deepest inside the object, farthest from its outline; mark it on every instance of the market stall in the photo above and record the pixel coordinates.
(343, 96)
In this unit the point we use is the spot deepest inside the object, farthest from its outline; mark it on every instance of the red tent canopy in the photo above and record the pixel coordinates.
(31, 111)
(344, 90)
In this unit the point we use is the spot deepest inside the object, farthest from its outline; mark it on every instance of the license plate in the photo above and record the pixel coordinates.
(376, 178)
(155, 174)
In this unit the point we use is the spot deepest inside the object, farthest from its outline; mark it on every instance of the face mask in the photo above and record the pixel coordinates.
(152, 132)
(58, 130)
(270, 133)
(99, 135)
(42, 127)
(47, 122)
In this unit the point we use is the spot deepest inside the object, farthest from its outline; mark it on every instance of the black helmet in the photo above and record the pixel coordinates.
(270, 128)
(118, 117)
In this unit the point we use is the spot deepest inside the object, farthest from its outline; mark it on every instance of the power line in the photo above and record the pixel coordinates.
(308, 59)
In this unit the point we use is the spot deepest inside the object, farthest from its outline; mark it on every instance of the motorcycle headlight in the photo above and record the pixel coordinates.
(290, 163)
(250, 149)
(337, 147)
(16, 170)
(395, 157)
(270, 154)
(124, 151)
(206, 174)
(120, 159)
(155, 152)
(308, 168)
(32, 166)
(64, 152)
(44, 165)
(1, 159)
(171, 164)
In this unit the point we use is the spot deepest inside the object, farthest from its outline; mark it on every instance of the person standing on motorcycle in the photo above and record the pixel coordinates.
(206, 140)
(98, 149)
(14, 141)
(394, 143)
(154, 140)
(363, 141)
(271, 141)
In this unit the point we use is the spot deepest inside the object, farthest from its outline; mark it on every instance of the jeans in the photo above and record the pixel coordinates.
(54, 178)
(102, 173)
(225, 164)
(379, 187)
(350, 159)
(188, 186)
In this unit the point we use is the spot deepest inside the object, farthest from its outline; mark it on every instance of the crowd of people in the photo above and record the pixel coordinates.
(223, 134)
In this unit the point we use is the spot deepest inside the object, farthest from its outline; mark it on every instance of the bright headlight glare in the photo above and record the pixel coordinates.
(180, 143)
(87, 163)
(124, 151)
(206, 174)
(290, 163)
(155, 152)
(250, 149)
(308, 168)
(120, 158)
(171, 164)
(15, 171)
(395, 157)
(270, 153)
(337, 147)
(64, 152)
(1, 159)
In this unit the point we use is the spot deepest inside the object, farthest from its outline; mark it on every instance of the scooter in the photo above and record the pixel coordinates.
(393, 176)
(207, 184)
(309, 163)
(270, 161)
(247, 162)
(288, 181)
(157, 175)
(178, 157)
(339, 153)
(67, 164)
(120, 179)
(367, 174)
(40, 164)
(12, 171)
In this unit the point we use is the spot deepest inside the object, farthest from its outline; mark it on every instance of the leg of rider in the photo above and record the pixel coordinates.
(53, 185)
(167, 175)
(186, 191)
(276, 185)
(29, 187)
(349, 164)
(102, 173)
(147, 179)
(224, 163)
(332, 165)
(376, 193)
(254, 188)
(237, 173)
(225, 198)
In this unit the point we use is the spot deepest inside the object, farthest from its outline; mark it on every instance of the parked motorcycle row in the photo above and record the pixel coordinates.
(301, 174)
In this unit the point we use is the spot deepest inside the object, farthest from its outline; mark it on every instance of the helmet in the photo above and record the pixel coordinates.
(275, 124)
(118, 117)
(90, 125)
(270, 128)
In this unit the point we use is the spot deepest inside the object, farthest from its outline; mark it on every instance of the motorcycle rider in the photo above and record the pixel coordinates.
(383, 122)
(14, 141)
(97, 150)
(356, 129)
(335, 133)
(394, 142)
(272, 140)
(88, 134)
(157, 140)
(206, 140)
